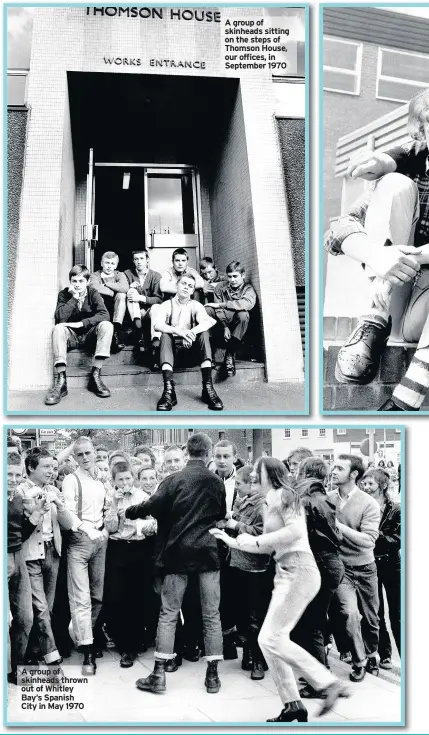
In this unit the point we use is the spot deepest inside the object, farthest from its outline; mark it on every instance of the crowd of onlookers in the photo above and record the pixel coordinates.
(196, 553)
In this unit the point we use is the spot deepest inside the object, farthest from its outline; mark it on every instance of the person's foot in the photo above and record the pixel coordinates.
(58, 390)
(357, 673)
(155, 682)
(96, 385)
(210, 397)
(173, 664)
(246, 662)
(229, 365)
(290, 712)
(373, 665)
(346, 657)
(127, 660)
(257, 671)
(359, 358)
(307, 692)
(117, 341)
(168, 398)
(212, 681)
(386, 663)
(390, 405)
(89, 665)
(333, 692)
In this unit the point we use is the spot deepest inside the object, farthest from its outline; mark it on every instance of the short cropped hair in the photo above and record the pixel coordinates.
(199, 445)
(356, 464)
(172, 448)
(143, 449)
(315, 467)
(79, 270)
(82, 440)
(226, 443)
(207, 259)
(418, 115)
(235, 266)
(179, 251)
(14, 459)
(143, 251)
(121, 467)
(110, 255)
(187, 275)
(34, 456)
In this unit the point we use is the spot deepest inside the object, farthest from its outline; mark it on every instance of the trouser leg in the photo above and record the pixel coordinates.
(39, 571)
(96, 570)
(78, 554)
(384, 644)
(172, 592)
(349, 616)
(166, 352)
(119, 307)
(61, 336)
(104, 334)
(210, 601)
(20, 604)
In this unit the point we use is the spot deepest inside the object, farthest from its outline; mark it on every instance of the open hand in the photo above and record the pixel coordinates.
(370, 165)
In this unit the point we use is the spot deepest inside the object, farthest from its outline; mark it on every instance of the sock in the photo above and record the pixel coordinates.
(98, 362)
(60, 368)
(167, 375)
(410, 393)
(206, 374)
(137, 323)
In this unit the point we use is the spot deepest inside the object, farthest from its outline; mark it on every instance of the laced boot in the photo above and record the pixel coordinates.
(89, 665)
(247, 662)
(212, 681)
(156, 681)
(290, 712)
(96, 384)
(168, 398)
(58, 390)
(210, 396)
(229, 365)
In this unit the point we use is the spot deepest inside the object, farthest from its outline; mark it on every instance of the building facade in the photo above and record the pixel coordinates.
(134, 133)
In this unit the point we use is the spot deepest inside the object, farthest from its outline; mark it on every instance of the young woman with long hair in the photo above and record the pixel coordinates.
(296, 583)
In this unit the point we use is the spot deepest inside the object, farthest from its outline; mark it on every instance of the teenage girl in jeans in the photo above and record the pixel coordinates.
(296, 583)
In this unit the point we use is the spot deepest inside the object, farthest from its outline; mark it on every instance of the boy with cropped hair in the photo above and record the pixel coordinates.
(81, 320)
(211, 277)
(112, 285)
(233, 302)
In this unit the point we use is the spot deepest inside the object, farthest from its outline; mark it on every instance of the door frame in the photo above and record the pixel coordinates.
(160, 167)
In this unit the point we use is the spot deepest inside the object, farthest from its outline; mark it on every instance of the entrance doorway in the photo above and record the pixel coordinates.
(132, 206)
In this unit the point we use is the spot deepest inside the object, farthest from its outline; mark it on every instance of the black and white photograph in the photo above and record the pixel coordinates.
(376, 208)
(205, 576)
(156, 209)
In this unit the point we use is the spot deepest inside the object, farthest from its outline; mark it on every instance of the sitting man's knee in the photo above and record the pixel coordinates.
(104, 328)
(397, 184)
(59, 329)
(243, 317)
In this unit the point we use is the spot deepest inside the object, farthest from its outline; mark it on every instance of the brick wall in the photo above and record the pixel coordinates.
(292, 145)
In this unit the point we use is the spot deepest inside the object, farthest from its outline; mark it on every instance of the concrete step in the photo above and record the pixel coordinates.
(121, 375)
(337, 396)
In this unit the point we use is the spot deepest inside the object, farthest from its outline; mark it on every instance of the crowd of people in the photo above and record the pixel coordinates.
(196, 554)
(177, 315)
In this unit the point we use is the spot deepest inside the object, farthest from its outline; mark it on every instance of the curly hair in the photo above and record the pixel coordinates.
(418, 115)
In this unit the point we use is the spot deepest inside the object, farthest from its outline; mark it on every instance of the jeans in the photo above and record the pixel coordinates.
(60, 617)
(20, 605)
(250, 600)
(310, 632)
(294, 588)
(197, 354)
(85, 577)
(358, 605)
(389, 578)
(172, 593)
(43, 579)
(116, 306)
(67, 338)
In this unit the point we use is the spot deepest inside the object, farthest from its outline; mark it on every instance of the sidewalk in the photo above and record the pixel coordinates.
(111, 697)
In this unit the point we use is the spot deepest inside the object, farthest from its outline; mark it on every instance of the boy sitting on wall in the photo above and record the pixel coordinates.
(112, 285)
(233, 302)
(81, 319)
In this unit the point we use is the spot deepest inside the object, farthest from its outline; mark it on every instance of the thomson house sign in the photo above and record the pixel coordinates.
(195, 14)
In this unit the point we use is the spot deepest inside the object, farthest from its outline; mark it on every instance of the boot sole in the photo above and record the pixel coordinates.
(158, 690)
(213, 690)
(341, 378)
(211, 408)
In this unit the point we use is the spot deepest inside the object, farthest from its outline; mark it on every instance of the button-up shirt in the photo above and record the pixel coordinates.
(229, 484)
(93, 498)
(412, 161)
(342, 499)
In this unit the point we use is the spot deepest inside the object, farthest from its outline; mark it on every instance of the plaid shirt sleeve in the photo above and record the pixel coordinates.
(349, 224)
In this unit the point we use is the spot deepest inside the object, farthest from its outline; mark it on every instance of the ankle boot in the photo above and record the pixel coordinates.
(258, 672)
(156, 681)
(212, 681)
(210, 396)
(229, 365)
(58, 390)
(89, 665)
(246, 662)
(168, 398)
(290, 712)
(96, 385)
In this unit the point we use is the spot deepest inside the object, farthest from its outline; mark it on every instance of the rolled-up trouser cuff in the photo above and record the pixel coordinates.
(213, 658)
(51, 657)
(85, 642)
(163, 656)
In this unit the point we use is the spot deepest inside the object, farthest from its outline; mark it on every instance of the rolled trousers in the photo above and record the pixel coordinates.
(172, 593)
(43, 579)
(389, 580)
(66, 338)
(294, 588)
(20, 605)
(85, 579)
(358, 606)
(198, 353)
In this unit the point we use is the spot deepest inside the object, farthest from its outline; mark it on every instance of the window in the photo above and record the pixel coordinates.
(287, 433)
(401, 75)
(341, 432)
(322, 433)
(17, 87)
(342, 64)
(397, 431)
(304, 433)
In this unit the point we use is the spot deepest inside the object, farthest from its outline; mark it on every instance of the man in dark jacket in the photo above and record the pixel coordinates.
(143, 298)
(81, 318)
(187, 505)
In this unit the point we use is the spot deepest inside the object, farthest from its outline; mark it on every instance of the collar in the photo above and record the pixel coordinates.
(181, 303)
(140, 275)
(86, 473)
(230, 476)
(253, 499)
(347, 497)
(193, 462)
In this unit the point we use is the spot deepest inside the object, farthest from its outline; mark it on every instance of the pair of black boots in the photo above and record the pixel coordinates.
(156, 681)
(59, 389)
(209, 396)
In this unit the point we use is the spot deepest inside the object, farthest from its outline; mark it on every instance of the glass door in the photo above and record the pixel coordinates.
(89, 229)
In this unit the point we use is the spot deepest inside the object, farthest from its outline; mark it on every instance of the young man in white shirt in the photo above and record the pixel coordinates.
(85, 498)
(184, 318)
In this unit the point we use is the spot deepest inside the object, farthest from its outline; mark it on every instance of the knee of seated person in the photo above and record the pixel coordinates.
(105, 327)
(59, 328)
(243, 316)
(397, 184)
